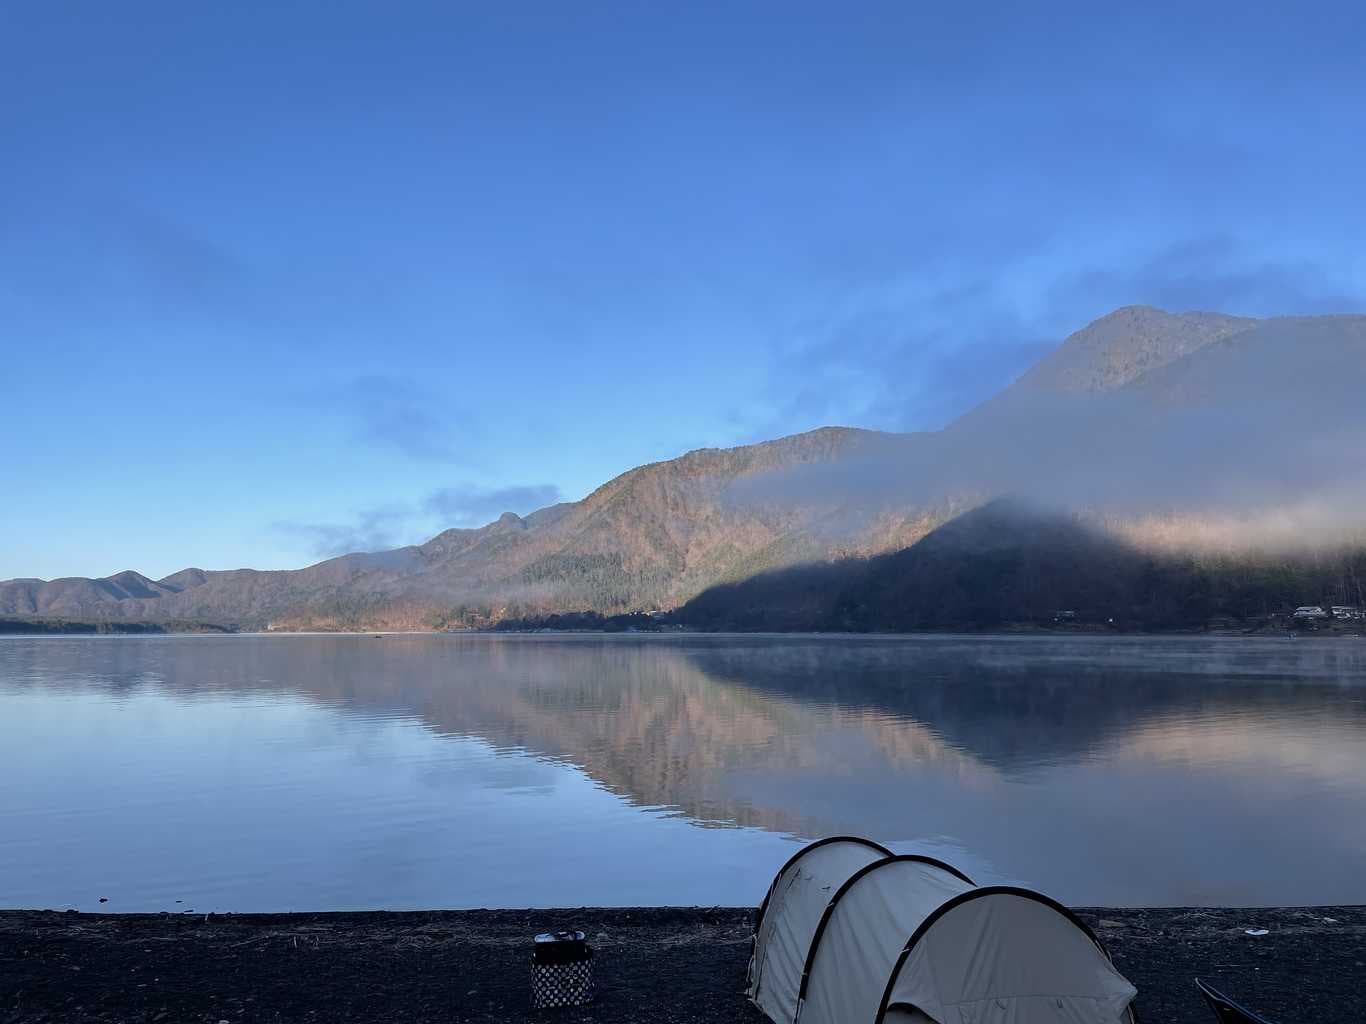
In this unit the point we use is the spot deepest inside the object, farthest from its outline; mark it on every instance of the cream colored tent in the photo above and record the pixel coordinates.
(851, 933)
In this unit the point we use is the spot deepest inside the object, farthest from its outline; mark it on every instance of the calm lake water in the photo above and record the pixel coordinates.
(348, 772)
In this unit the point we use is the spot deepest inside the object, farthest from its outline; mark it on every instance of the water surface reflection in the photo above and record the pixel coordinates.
(257, 772)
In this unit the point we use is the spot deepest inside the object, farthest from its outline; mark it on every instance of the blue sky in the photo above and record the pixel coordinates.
(282, 280)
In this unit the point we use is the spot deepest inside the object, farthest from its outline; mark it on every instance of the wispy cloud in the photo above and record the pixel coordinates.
(897, 357)
(398, 523)
(1214, 273)
(375, 529)
(396, 413)
(107, 255)
(466, 505)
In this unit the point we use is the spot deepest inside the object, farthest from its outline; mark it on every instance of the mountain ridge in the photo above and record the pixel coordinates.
(660, 534)
(518, 552)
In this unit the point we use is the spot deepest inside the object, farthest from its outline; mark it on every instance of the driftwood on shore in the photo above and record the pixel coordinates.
(655, 965)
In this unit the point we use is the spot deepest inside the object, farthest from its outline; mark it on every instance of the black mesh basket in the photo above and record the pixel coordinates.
(561, 970)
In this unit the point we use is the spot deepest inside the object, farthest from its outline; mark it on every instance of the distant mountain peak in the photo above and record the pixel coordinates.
(183, 579)
(1123, 345)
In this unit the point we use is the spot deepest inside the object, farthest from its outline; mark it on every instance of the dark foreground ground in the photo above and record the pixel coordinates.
(653, 965)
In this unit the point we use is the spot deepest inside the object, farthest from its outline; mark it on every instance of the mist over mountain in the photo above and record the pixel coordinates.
(1146, 414)
(1144, 442)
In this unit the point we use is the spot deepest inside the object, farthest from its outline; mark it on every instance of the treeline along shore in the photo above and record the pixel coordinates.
(662, 965)
(65, 627)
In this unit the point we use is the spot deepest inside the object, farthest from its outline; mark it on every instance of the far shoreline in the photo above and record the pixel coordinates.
(35, 629)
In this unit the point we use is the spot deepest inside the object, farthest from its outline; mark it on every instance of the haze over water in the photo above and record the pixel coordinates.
(261, 773)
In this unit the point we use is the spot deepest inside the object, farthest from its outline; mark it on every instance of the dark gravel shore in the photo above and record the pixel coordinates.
(653, 965)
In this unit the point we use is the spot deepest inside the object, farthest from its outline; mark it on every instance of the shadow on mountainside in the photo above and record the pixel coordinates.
(1008, 563)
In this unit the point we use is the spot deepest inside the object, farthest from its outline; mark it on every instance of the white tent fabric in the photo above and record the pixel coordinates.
(849, 934)
(864, 934)
(796, 900)
(1008, 956)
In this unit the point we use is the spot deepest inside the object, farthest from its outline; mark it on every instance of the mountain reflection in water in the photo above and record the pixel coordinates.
(330, 771)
